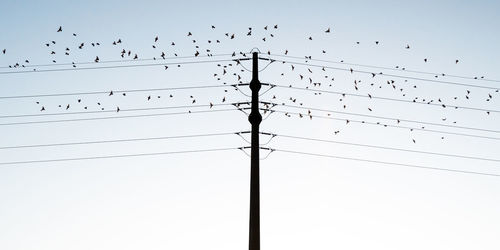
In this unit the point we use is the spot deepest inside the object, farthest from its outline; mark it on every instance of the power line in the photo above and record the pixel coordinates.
(392, 119)
(391, 75)
(117, 140)
(114, 67)
(115, 91)
(115, 61)
(115, 156)
(387, 148)
(386, 163)
(389, 99)
(114, 111)
(387, 125)
(117, 117)
(389, 68)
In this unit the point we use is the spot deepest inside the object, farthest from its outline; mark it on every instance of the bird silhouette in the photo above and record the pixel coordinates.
(60, 29)
(327, 30)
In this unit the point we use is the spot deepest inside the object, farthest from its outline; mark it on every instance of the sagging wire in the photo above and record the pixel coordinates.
(262, 133)
(268, 108)
(271, 86)
(237, 106)
(243, 150)
(243, 138)
(271, 150)
(265, 67)
(236, 87)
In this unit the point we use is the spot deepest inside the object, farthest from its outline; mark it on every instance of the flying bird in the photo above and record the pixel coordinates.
(60, 29)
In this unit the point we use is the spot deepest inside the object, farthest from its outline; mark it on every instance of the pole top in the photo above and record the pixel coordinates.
(254, 50)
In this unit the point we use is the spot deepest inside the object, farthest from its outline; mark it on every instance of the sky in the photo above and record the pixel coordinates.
(201, 199)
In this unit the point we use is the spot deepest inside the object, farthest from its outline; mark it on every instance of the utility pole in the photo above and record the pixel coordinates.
(255, 118)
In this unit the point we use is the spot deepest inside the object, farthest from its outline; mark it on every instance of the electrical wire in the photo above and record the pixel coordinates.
(116, 140)
(390, 99)
(387, 163)
(116, 117)
(114, 111)
(390, 75)
(116, 91)
(392, 119)
(116, 61)
(386, 148)
(389, 68)
(393, 126)
(115, 156)
(113, 67)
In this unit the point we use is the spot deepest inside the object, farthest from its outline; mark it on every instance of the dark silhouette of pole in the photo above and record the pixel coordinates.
(255, 118)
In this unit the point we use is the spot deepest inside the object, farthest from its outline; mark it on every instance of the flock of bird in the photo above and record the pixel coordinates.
(307, 76)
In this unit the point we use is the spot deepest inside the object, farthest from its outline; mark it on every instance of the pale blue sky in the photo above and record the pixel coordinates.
(193, 201)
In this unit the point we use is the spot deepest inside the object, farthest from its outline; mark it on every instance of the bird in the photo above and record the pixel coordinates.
(60, 29)
(310, 38)
(425, 59)
(189, 34)
(3, 51)
(328, 30)
(156, 39)
(456, 61)
(96, 59)
(43, 108)
(407, 46)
